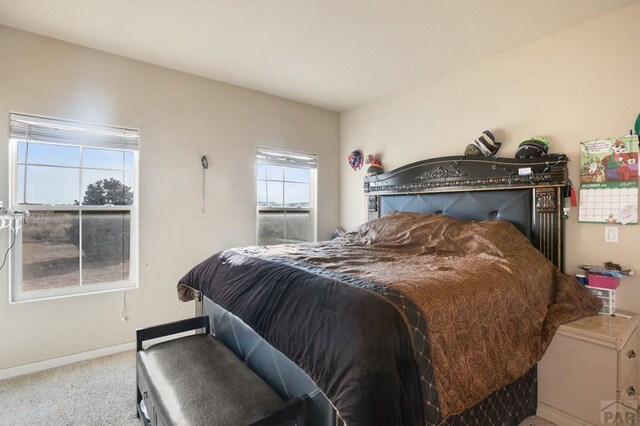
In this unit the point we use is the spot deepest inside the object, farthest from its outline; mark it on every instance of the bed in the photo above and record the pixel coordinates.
(349, 321)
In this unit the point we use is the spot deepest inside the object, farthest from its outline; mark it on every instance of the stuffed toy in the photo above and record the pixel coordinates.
(376, 165)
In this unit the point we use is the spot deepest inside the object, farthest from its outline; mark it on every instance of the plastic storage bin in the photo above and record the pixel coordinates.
(608, 297)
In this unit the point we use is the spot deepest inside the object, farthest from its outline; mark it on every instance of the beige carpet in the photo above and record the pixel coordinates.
(95, 392)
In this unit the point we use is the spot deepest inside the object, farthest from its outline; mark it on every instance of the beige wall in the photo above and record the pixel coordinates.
(580, 84)
(180, 118)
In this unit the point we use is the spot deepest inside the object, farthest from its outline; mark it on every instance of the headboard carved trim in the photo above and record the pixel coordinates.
(545, 200)
(440, 173)
(469, 173)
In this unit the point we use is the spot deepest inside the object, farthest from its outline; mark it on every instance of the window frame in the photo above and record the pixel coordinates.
(312, 210)
(16, 294)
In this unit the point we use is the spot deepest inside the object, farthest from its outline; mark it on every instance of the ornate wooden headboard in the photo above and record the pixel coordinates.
(528, 193)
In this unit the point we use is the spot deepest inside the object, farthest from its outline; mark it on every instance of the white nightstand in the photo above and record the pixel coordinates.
(589, 361)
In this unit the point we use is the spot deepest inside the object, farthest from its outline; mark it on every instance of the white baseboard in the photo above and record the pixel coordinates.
(64, 360)
(559, 417)
(82, 356)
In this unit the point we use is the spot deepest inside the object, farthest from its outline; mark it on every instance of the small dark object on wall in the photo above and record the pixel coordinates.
(485, 145)
(376, 165)
(355, 159)
(205, 165)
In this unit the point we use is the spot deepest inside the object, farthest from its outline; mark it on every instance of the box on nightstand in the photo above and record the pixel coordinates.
(603, 281)
(608, 297)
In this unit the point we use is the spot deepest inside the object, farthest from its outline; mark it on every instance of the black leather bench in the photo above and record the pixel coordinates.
(197, 380)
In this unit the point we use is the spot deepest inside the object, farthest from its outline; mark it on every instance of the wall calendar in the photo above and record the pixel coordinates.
(609, 181)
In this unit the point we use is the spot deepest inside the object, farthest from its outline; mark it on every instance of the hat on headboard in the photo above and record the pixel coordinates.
(532, 148)
(485, 144)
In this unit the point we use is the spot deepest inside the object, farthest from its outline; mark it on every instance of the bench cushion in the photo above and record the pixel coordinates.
(196, 380)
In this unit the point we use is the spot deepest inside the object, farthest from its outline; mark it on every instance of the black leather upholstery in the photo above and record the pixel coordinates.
(196, 380)
(273, 366)
(514, 206)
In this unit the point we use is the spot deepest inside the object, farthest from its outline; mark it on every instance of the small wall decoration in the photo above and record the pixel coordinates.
(609, 181)
(376, 165)
(355, 160)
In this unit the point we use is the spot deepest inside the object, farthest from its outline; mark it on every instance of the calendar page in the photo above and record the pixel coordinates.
(609, 181)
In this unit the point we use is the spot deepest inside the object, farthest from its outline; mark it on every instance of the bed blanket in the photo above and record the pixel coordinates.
(474, 302)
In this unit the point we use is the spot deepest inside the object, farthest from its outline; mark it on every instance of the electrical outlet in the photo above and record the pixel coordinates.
(611, 234)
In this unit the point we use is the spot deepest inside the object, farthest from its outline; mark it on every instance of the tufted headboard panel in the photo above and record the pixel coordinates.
(514, 206)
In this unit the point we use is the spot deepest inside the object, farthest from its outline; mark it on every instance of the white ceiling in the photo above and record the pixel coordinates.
(332, 53)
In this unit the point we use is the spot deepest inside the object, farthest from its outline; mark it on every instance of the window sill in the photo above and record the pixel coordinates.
(43, 295)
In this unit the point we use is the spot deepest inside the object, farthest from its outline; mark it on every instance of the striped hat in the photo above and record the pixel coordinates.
(485, 145)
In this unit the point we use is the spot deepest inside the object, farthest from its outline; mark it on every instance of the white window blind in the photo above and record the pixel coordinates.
(286, 158)
(40, 129)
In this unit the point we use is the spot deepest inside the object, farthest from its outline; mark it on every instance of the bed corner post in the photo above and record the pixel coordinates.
(198, 303)
(373, 207)
(373, 200)
(548, 227)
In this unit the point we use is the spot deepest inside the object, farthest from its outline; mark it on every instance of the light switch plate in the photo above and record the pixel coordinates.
(611, 234)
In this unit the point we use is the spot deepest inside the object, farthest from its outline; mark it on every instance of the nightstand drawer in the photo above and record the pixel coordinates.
(627, 359)
(631, 388)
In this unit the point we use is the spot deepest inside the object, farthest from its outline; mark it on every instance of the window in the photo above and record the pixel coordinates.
(79, 183)
(286, 196)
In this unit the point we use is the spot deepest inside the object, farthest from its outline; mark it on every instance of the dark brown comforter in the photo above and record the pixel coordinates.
(491, 300)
